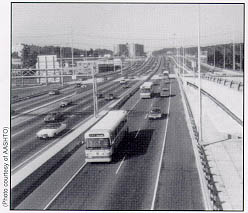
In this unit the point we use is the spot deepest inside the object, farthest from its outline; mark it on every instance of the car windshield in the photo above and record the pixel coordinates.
(155, 110)
(97, 143)
(52, 126)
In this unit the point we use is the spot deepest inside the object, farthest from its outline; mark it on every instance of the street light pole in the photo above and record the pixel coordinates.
(199, 78)
(214, 56)
(233, 54)
(224, 57)
(95, 105)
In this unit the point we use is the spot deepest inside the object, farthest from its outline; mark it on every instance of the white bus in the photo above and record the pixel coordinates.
(103, 138)
(146, 90)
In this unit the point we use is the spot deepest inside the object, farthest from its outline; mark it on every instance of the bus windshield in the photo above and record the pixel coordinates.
(97, 143)
(145, 90)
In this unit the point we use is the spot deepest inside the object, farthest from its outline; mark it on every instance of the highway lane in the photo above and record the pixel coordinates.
(179, 185)
(20, 107)
(73, 160)
(25, 144)
(26, 116)
(30, 116)
(128, 182)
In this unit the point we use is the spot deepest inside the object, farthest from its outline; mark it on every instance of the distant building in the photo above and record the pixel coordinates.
(204, 56)
(130, 50)
(18, 48)
(48, 65)
(135, 50)
(16, 63)
(121, 50)
(85, 67)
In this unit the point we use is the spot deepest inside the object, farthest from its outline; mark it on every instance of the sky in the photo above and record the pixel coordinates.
(103, 25)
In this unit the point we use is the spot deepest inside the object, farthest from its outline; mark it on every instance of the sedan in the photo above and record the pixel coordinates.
(54, 92)
(110, 97)
(65, 103)
(53, 117)
(51, 130)
(155, 113)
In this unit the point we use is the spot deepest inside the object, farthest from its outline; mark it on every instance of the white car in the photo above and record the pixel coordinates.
(155, 113)
(51, 130)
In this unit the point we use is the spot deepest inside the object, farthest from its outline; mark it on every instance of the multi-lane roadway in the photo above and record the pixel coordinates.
(154, 168)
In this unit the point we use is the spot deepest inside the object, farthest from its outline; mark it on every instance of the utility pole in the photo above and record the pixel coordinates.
(183, 63)
(94, 84)
(233, 54)
(199, 78)
(240, 54)
(72, 54)
(224, 57)
(61, 67)
(214, 56)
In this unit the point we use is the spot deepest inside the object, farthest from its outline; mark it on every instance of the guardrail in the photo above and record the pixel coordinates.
(218, 103)
(230, 83)
(209, 181)
(32, 173)
(212, 199)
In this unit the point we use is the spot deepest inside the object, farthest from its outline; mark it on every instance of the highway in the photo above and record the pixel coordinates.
(31, 113)
(154, 168)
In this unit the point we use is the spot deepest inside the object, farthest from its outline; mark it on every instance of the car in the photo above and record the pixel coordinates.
(54, 92)
(110, 97)
(78, 85)
(155, 113)
(51, 130)
(125, 86)
(123, 81)
(53, 117)
(65, 102)
(100, 95)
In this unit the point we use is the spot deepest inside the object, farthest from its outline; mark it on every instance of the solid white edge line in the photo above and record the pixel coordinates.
(66, 184)
(161, 156)
(120, 165)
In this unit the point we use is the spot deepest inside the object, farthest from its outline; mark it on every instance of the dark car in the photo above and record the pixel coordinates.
(54, 92)
(54, 117)
(110, 97)
(100, 95)
(65, 103)
(78, 85)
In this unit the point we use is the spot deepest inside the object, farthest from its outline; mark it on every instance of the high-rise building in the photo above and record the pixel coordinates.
(131, 50)
(135, 50)
(121, 50)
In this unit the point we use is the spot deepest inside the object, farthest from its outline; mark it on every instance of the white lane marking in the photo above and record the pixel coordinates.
(120, 165)
(13, 135)
(137, 133)
(66, 184)
(161, 157)
(146, 116)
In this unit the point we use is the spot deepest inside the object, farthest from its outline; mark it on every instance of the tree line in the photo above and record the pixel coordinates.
(215, 54)
(29, 53)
